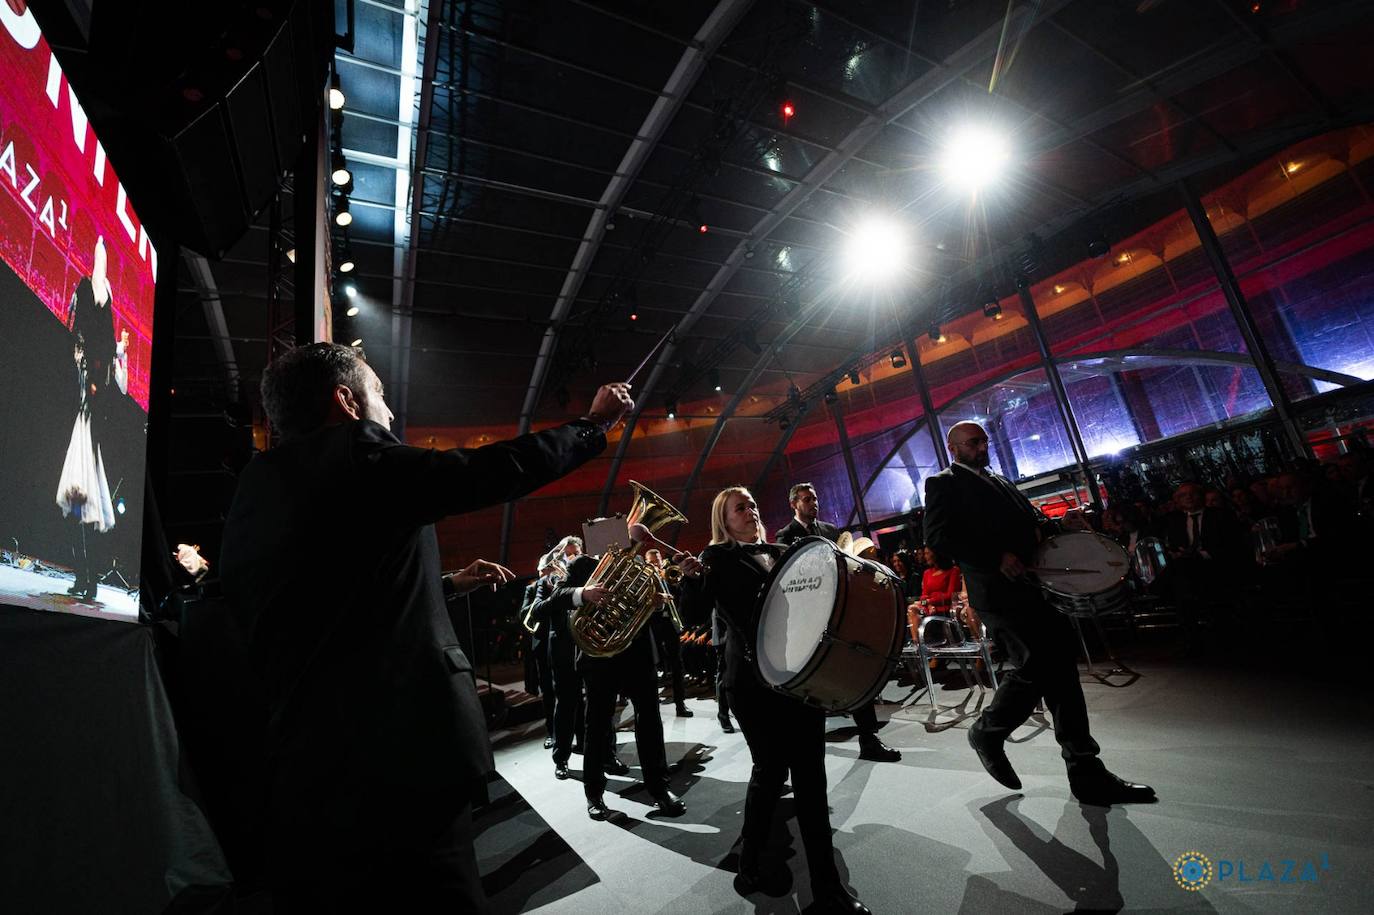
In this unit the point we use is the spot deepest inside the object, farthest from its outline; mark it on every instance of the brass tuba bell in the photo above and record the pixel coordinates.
(635, 591)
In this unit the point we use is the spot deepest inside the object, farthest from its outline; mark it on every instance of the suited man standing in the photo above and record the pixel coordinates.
(539, 641)
(806, 522)
(991, 530)
(376, 743)
(630, 673)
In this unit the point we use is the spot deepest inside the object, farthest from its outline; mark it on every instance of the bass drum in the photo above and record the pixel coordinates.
(1083, 573)
(830, 627)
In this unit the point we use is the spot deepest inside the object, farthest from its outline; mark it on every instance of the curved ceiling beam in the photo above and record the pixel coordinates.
(684, 77)
(960, 62)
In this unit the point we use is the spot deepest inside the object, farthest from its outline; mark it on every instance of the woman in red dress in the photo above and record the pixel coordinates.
(940, 582)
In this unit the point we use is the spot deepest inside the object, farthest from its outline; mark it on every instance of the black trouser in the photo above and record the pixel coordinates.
(866, 718)
(670, 655)
(722, 694)
(569, 711)
(543, 675)
(1041, 642)
(785, 736)
(631, 675)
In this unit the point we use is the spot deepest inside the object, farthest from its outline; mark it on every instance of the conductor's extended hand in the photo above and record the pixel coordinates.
(612, 401)
(479, 573)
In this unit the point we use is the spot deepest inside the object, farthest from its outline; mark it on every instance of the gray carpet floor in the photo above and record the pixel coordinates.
(1250, 770)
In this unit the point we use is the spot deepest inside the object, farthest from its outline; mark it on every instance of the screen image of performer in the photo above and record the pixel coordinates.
(376, 741)
(631, 674)
(785, 736)
(100, 368)
(991, 530)
(806, 523)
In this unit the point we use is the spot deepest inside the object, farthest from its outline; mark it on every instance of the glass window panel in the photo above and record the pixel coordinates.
(899, 485)
(1024, 429)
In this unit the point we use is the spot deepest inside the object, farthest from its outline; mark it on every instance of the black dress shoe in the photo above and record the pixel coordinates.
(560, 771)
(748, 878)
(669, 804)
(833, 897)
(684, 712)
(614, 765)
(870, 747)
(726, 726)
(597, 809)
(1105, 789)
(994, 759)
(548, 743)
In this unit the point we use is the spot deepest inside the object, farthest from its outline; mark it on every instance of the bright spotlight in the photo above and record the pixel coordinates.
(975, 157)
(876, 250)
(350, 290)
(357, 343)
(352, 311)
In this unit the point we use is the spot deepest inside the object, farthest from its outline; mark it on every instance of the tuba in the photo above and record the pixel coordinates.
(607, 630)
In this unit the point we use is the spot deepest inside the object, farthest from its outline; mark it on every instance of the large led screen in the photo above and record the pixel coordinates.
(77, 272)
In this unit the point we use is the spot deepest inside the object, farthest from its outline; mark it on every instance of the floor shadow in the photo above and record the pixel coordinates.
(1091, 886)
(524, 863)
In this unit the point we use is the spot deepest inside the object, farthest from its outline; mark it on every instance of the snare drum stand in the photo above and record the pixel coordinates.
(1119, 669)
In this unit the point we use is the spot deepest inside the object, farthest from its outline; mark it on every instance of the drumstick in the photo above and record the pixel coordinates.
(639, 368)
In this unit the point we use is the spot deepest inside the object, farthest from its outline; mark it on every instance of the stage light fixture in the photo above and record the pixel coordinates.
(339, 173)
(935, 334)
(831, 396)
(357, 343)
(789, 111)
(342, 215)
(346, 263)
(634, 316)
(854, 377)
(336, 96)
(898, 359)
(715, 380)
(352, 311)
(1098, 246)
(974, 157)
(992, 309)
(672, 407)
(350, 290)
(120, 505)
(876, 250)
(291, 255)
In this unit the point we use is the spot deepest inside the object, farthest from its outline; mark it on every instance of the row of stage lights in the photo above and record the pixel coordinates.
(342, 179)
(972, 160)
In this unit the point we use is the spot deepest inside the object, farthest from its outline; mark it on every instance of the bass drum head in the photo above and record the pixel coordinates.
(796, 609)
(1096, 563)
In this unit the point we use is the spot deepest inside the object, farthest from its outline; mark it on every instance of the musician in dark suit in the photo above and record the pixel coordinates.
(539, 640)
(377, 744)
(631, 674)
(983, 522)
(785, 735)
(806, 523)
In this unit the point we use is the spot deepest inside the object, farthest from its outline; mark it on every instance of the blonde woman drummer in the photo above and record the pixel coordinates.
(785, 736)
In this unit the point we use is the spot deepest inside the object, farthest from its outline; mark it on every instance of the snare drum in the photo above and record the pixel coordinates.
(1083, 573)
(830, 626)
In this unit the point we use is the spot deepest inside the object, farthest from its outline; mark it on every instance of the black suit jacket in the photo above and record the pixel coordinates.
(541, 628)
(331, 565)
(974, 521)
(795, 531)
(554, 604)
(731, 586)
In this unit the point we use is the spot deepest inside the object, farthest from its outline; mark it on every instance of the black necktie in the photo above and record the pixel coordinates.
(1193, 520)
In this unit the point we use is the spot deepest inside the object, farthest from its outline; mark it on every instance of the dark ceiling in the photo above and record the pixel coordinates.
(574, 150)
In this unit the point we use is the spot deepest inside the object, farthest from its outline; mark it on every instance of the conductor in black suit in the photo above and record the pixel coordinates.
(630, 673)
(805, 522)
(377, 744)
(983, 522)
